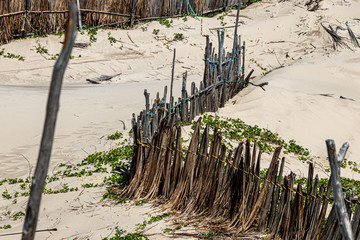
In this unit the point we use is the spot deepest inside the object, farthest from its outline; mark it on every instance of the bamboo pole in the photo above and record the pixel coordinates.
(335, 165)
(33, 207)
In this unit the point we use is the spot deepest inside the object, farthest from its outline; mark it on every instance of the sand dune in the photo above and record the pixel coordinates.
(313, 94)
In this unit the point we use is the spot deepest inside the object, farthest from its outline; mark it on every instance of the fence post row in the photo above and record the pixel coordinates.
(209, 181)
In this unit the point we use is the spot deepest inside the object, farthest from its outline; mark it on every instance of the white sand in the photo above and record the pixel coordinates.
(276, 34)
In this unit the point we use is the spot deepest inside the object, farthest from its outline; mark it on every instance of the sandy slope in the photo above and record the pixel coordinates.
(283, 37)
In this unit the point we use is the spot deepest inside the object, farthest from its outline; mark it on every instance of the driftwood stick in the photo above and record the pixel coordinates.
(335, 165)
(38, 181)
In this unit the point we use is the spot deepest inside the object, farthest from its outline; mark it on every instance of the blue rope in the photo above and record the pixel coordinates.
(192, 10)
(213, 62)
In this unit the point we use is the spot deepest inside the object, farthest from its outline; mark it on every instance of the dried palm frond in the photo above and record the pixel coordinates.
(352, 36)
(338, 41)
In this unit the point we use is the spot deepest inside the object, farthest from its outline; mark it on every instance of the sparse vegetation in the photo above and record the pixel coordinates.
(156, 31)
(120, 235)
(41, 49)
(140, 203)
(112, 161)
(264, 69)
(92, 32)
(6, 226)
(164, 21)
(11, 55)
(115, 136)
(237, 130)
(36, 34)
(178, 36)
(141, 226)
(60, 34)
(111, 39)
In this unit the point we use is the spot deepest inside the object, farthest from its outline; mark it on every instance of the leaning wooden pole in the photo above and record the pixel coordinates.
(38, 181)
(339, 202)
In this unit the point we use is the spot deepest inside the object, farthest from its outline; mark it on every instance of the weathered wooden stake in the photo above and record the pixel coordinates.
(146, 117)
(339, 202)
(26, 19)
(79, 14)
(38, 181)
(243, 62)
(172, 77)
(132, 14)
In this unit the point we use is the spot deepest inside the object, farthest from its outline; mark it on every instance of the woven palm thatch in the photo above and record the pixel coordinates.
(12, 24)
(46, 16)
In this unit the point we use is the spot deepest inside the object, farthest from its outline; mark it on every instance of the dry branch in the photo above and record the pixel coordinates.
(42, 165)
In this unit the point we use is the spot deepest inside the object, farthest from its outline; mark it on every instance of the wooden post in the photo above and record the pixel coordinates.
(339, 202)
(234, 50)
(79, 15)
(172, 79)
(165, 94)
(221, 42)
(243, 61)
(132, 14)
(183, 96)
(180, 8)
(206, 61)
(51, 16)
(221, 37)
(146, 117)
(26, 19)
(37, 185)
(192, 102)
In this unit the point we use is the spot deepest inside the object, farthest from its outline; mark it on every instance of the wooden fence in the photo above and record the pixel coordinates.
(20, 17)
(224, 77)
(210, 182)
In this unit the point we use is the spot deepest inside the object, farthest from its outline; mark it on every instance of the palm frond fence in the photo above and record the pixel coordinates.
(18, 18)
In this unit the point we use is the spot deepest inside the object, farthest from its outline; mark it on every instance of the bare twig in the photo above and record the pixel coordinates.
(18, 233)
(30, 168)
